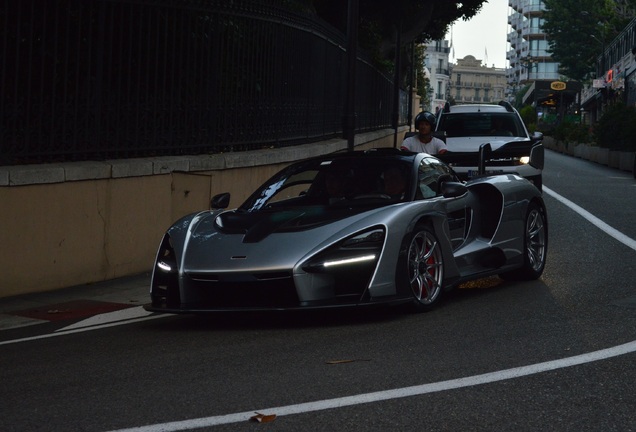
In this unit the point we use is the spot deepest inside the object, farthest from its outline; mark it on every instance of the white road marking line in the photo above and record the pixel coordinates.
(84, 329)
(612, 232)
(391, 394)
(109, 317)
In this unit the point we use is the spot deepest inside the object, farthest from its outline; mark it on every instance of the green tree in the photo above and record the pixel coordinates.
(416, 20)
(380, 22)
(577, 31)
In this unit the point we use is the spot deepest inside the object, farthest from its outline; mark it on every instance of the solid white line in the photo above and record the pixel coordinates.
(81, 330)
(391, 394)
(627, 241)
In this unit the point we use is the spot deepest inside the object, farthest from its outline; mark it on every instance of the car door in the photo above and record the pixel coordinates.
(432, 173)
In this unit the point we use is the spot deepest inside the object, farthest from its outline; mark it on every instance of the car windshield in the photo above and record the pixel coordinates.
(335, 182)
(481, 124)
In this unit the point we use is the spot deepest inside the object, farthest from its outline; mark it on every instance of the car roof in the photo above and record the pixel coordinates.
(477, 108)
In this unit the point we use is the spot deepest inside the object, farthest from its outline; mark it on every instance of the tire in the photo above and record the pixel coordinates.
(535, 246)
(424, 268)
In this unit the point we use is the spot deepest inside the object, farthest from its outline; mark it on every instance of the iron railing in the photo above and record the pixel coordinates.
(107, 79)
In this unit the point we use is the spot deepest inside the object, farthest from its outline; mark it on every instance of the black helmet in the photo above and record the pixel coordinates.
(427, 117)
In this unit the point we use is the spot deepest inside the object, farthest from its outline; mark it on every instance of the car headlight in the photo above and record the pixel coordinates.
(358, 250)
(164, 288)
(524, 160)
(166, 259)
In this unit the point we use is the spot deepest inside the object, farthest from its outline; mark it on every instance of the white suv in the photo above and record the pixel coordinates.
(465, 128)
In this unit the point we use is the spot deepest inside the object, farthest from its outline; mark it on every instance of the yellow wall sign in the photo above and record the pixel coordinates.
(557, 85)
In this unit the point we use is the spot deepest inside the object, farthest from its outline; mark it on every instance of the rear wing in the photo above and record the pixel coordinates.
(515, 150)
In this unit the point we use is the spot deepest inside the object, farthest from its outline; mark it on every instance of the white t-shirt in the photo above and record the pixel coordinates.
(414, 144)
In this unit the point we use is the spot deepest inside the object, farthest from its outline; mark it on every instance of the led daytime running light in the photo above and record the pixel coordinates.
(163, 266)
(349, 261)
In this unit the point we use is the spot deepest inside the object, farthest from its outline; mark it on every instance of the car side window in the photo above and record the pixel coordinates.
(428, 178)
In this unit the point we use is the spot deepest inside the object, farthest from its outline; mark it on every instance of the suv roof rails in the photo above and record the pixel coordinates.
(506, 105)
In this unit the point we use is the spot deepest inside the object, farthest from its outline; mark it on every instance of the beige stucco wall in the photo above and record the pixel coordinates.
(56, 232)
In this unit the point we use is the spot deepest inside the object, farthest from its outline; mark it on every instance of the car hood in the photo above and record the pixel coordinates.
(264, 241)
(471, 144)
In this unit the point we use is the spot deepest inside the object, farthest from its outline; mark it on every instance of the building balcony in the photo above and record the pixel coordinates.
(533, 76)
(444, 50)
(538, 54)
(533, 7)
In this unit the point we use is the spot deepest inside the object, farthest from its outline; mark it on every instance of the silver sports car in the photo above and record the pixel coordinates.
(351, 229)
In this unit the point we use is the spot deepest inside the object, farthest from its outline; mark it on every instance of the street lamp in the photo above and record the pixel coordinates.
(600, 27)
(602, 69)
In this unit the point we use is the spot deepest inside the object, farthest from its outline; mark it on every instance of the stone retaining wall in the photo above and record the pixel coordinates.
(622, 160)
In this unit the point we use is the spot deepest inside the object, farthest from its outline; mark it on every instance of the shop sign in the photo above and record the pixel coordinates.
(598, 83)
(557, 85)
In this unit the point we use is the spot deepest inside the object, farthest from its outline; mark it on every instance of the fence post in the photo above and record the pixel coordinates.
(352, 54)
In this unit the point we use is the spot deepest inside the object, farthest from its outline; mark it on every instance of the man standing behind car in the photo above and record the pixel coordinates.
(424, 141)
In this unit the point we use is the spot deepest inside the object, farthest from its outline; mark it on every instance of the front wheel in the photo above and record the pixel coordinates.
(535, 246)
(425, 268)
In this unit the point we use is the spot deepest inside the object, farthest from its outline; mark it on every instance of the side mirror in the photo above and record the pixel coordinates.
(220, 201)
(537, 137)
(451, 189)
(537, 156)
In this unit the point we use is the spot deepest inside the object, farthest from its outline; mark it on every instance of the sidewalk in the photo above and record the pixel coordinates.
(74, 303)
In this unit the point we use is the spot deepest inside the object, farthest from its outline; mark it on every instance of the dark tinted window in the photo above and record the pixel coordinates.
(481, 124)
(327, 181)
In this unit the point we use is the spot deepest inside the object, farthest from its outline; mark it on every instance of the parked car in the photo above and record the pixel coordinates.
(465, 128)
(359, 228)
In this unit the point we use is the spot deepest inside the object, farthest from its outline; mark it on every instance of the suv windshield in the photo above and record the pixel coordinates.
(481, 124)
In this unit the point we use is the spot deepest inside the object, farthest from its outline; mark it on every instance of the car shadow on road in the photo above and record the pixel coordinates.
(282, 319)
(471, 294)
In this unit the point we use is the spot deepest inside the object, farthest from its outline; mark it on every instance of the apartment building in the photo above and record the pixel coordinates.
(438, 68)
(473, 82)
(528, 56)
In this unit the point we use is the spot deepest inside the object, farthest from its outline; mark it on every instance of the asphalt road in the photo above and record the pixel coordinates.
(557, 354)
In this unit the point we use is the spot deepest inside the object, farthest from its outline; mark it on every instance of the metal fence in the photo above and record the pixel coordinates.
(105, 79)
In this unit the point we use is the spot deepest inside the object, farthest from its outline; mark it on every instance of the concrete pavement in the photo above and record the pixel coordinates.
(74, 303)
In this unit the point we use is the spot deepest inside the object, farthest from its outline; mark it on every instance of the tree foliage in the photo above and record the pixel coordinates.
(577, 32)
(416, 20)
